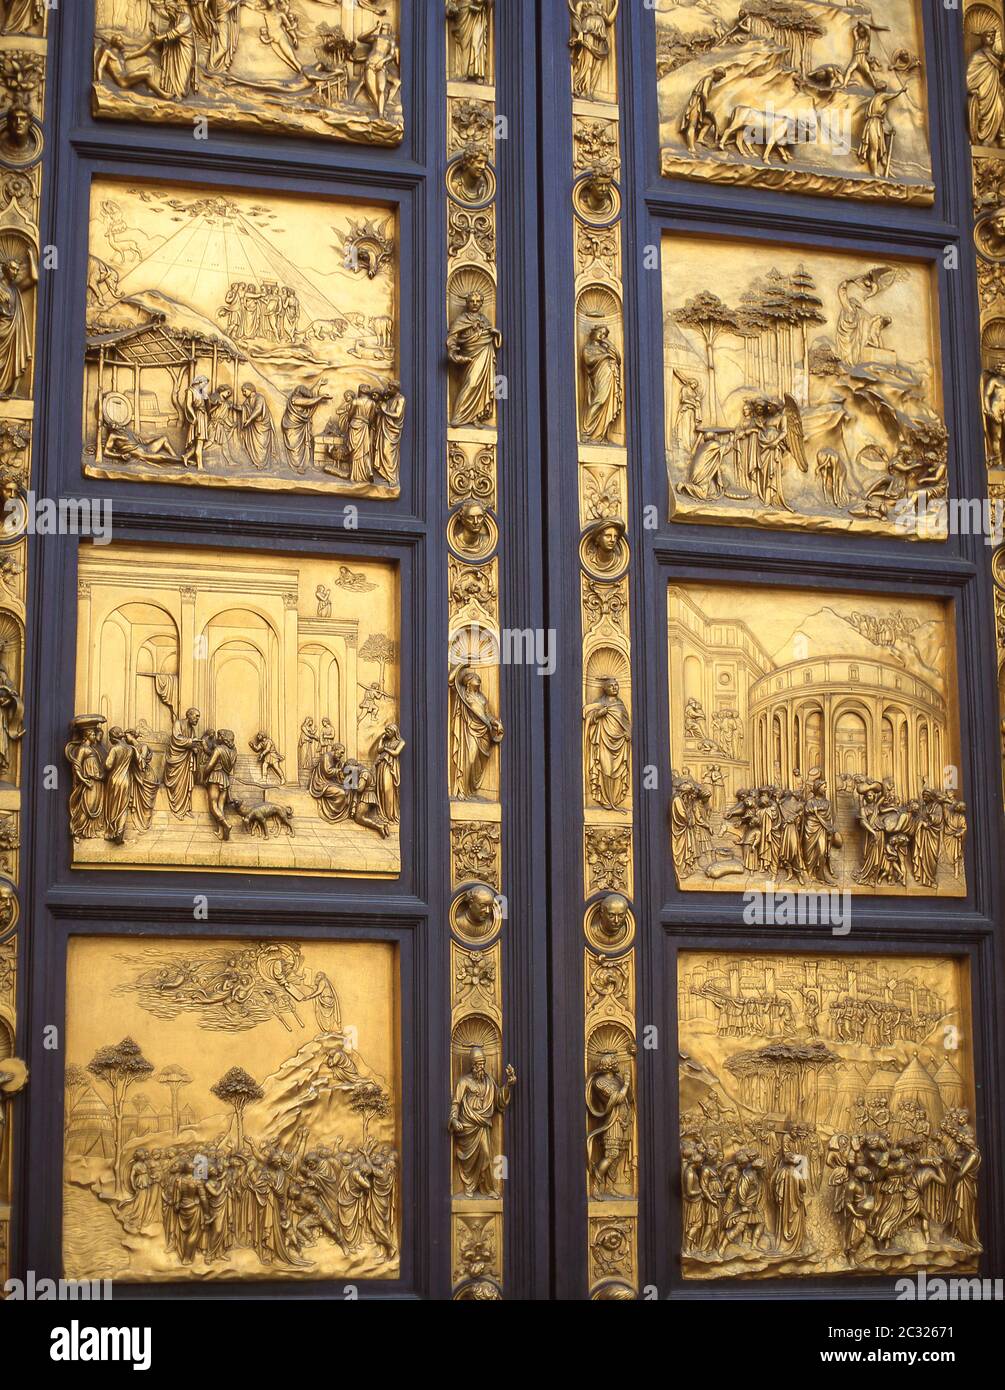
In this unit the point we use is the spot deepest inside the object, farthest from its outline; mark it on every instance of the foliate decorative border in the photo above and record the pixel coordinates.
(989, 207)
(475, 541)
(604, 560)
(22, 113)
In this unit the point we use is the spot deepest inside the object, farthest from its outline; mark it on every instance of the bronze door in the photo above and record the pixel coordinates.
(499, 746)
(282, 891)
(779, 954)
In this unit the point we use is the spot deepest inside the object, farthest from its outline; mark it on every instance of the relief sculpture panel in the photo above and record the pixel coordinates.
(983, 30)
(820, 98)
(826, 1115)
(218, 353)
(23, 77)
(814, 742)
(236, 713)
(305, 67)
(803, 389)
(232, 1110)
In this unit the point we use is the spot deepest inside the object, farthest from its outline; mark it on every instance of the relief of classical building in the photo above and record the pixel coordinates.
(813, 741)
(236, 714)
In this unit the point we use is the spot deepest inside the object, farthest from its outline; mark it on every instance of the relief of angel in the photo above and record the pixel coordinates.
(779, 435)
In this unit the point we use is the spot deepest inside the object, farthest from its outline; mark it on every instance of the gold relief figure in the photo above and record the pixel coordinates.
(273, 376)
(596, 195)
(13, 1078)
(272, 65)
(985, 97)
(608, 732)
(128, 787)
(344, 789)
(387, 771)
(22, 16)
(478, 1098)
(823, 1121)
(804, 396)
(274, 1153)
(269, 757)
(20, 134)
(609, 923)
(875, 147)
(690, 833)
(17, 279)
(475, 733)
(470, 178)
(11, 720)
(218, 774)
(591, 43)
(472, 344)
(993, 402)
(476, 913)
(470, 27)
(180, 763)
(298, 425)
(839, 773)
(84, 753)
(381, 63)
(603, 548)
(796, 96)
(602, 397)
(610, 1103)
(472, 531)
(167, 785)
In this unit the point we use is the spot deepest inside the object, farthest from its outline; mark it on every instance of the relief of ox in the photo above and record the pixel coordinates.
(748, 127)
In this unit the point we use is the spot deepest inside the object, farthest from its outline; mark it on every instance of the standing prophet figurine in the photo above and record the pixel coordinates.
(478, 1098)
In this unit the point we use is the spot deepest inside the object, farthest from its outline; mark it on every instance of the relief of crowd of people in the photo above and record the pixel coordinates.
(791, 833)
(761, 1190)
(211, 1200)
(361, 442)
(875, 1022)
(265, 309)
(115, 784)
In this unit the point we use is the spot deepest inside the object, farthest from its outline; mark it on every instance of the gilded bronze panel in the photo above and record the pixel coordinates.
(236, 711)
(303, 67)
(814, 742)
(809, 97)
(23, 52)
(217, 354)
(232, 1110)
(826, 1115)
(983, 30)
(802, 389)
